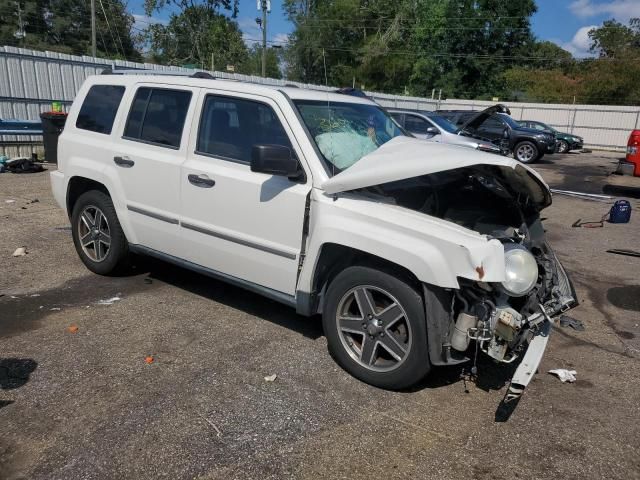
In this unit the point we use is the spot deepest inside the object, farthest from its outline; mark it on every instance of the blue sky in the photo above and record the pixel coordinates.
(565, 22)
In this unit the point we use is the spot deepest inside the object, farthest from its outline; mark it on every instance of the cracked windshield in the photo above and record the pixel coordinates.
(346, 132)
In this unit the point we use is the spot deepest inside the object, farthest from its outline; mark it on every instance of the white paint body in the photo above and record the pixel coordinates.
(255, 221)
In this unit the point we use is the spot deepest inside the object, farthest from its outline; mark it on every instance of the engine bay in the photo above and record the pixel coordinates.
(500, 320)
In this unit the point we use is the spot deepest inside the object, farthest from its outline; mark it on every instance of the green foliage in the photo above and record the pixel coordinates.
(253, 64)
(198, 35)
(408, 45)
(609, 79)
(65, 26)
(615, 40)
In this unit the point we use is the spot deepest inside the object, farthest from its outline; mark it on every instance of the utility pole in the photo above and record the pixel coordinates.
(264, 38)
(265, 7)
(20, 33)
(93, 28)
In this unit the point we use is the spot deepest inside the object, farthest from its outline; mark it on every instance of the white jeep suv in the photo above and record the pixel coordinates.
(409, 249)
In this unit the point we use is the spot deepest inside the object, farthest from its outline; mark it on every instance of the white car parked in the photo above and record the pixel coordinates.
(408, 249)
(429, 126)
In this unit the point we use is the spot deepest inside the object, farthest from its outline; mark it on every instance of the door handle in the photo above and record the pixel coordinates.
(125, 162)
(201, 181)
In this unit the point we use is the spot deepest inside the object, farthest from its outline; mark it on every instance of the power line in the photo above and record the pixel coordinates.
(117, 31)
(109, 28)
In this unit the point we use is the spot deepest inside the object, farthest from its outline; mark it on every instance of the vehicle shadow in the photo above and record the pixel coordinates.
(229, 295)
(15, 372)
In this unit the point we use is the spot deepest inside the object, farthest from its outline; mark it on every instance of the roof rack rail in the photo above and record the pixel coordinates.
(140, 71)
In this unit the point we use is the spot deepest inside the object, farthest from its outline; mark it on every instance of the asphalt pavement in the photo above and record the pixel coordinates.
(160, 374)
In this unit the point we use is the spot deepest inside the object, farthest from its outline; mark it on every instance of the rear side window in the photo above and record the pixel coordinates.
(99, 108)
(230, 127)
(157, 116)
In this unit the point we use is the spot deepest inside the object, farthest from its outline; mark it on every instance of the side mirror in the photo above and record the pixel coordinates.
(275, 160)
(433, 131)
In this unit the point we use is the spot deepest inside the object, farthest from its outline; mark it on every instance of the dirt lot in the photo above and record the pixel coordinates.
(87, 405)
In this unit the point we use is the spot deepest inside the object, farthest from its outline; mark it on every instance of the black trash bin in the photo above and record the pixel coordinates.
(52, 125)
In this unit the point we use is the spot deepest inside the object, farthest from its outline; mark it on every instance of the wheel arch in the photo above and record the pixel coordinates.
(77, 186)
(335, 257)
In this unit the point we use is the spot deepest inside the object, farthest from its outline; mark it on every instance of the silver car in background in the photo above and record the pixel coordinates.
(428, 126)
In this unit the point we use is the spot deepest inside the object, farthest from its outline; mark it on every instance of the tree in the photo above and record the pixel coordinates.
(199, 36)
(253, 65)
(65, 26)
(409, 45)
(615, 40)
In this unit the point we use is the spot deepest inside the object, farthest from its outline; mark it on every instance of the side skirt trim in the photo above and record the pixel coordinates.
(289, 300)
(246, 243)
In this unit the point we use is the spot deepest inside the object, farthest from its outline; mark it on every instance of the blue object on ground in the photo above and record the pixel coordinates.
(620, 212)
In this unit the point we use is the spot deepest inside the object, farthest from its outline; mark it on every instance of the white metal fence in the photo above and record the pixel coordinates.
(31, 80)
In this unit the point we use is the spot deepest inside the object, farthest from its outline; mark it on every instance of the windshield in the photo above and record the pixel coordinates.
(346, 132)
(509, 121)
(443, 123)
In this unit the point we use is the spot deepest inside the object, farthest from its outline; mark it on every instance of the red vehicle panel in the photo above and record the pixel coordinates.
(633, 151)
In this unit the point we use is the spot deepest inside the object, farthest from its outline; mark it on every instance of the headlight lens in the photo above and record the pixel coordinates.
(521, 270)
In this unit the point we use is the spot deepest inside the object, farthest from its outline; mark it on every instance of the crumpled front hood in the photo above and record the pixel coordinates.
(407, 157)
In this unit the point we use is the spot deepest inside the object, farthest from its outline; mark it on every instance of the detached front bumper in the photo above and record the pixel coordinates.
(530, 362)
(563, 299)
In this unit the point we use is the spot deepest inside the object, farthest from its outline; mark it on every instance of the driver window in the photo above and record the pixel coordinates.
(230, 127)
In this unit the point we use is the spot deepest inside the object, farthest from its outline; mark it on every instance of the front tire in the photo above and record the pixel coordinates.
(375, 327)
(563, 147)
(526, 152)
(97, 234)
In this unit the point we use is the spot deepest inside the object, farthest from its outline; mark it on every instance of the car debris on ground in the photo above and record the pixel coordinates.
(564, 375)
(109, 301)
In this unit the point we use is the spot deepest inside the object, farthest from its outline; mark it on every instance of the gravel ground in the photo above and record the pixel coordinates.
(84, 404)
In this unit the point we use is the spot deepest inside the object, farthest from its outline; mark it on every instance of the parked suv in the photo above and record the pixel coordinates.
(495, 123)
(565, 142)
(408, 249)
(428, 126)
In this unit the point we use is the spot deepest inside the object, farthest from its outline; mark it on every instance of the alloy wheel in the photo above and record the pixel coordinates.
(94, 233)
(373, 328)
(563, 147)
(525, 153)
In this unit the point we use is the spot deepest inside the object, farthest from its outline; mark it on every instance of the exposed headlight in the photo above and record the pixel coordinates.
(521, 270)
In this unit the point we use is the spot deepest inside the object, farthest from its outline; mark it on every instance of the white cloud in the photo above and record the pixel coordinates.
(622, 10)
(280, 39)
(144, 20)
(580, 43)
(251, 32)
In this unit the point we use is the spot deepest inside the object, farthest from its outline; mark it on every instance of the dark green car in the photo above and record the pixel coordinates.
(565, 142)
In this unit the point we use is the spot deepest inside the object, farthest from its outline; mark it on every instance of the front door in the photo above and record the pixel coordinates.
(235, 221)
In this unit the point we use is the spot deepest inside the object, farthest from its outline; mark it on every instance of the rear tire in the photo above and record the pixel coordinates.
(97, 234)
(526, 152)
(375, 327)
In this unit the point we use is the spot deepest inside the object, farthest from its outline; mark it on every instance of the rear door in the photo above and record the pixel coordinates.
(147, 159)
(235, 221)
